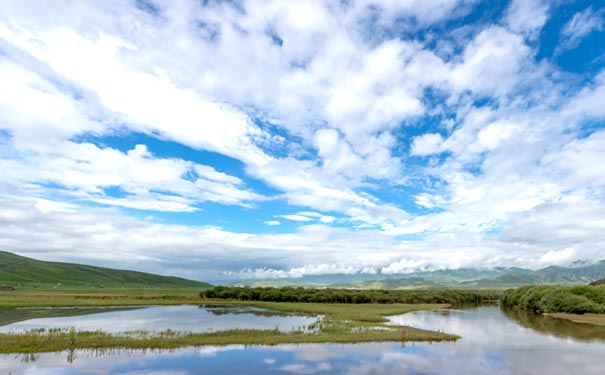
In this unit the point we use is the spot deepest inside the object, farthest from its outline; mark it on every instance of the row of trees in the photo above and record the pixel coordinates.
(553, 298)
(289, 294)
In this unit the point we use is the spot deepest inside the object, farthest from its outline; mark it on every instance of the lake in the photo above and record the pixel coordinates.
(494, 342)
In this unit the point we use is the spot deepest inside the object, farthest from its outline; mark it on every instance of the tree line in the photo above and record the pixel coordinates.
(299, 294)
(554, 298)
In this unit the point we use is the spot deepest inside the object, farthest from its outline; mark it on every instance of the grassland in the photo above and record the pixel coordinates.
(76, 297)
(341, 323)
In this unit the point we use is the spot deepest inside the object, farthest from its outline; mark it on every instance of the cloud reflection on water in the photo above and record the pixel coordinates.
(492, 344)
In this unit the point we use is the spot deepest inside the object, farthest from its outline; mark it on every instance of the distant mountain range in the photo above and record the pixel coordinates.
(469, 278)
(16, 270)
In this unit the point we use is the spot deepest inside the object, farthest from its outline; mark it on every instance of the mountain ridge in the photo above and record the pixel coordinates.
(498, 277)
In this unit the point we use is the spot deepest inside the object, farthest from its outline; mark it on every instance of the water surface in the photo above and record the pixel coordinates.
(492, 344)
(184, 318)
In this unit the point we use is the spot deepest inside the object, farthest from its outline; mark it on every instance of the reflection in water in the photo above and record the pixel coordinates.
(184, 318)
(555, 326)
(30, 357)
(10, 316)
(492, 344)
(217, 309)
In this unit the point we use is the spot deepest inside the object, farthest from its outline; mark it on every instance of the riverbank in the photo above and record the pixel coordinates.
(595, 319)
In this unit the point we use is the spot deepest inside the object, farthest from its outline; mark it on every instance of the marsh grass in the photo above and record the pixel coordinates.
(338, 332)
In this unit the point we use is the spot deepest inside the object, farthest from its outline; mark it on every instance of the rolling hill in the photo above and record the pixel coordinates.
(18, 270)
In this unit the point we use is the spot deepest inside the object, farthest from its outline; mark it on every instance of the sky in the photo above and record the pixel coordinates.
(229, 140)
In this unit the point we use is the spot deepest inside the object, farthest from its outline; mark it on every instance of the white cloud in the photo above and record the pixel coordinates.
(272, 222)
(558, 257)
(580, 25)
(580, 163)
(56, 116)
(148, 102)
(427, 144)
(322, 218)
(492, 63)
(294, 217)
(588, 103)
(527, 16)
(147, 182)
(406, 266)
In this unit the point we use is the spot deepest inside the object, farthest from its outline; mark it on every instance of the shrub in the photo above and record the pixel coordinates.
(552, 298)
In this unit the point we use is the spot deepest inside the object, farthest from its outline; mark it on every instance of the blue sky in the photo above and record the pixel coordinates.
(221, 140)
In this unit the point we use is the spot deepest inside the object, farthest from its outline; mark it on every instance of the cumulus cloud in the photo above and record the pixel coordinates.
(527, 16)
(426, 144)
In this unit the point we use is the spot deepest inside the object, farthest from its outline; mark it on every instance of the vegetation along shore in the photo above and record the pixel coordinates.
(581, 304)
(339, 323)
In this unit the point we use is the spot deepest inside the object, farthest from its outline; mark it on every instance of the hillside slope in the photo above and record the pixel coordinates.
(585, 274)
(18, 270)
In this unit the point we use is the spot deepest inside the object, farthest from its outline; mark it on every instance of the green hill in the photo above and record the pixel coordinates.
(17, 270)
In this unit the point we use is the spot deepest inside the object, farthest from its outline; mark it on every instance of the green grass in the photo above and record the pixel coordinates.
(373, 313)
(16, 270)
(76, 297)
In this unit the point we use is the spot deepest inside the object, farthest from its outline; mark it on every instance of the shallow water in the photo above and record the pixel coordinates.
(492, 343)
(184, 318)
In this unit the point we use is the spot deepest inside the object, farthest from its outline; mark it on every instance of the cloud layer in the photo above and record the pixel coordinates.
(358, 137)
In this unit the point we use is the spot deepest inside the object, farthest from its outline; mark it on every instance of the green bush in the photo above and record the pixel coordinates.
(289, 294)
(553, 298)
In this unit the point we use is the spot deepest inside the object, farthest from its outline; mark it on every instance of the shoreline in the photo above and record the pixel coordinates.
(593, 319)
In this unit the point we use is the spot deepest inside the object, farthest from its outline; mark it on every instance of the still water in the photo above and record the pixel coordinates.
(183, 318)
(493, 343)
